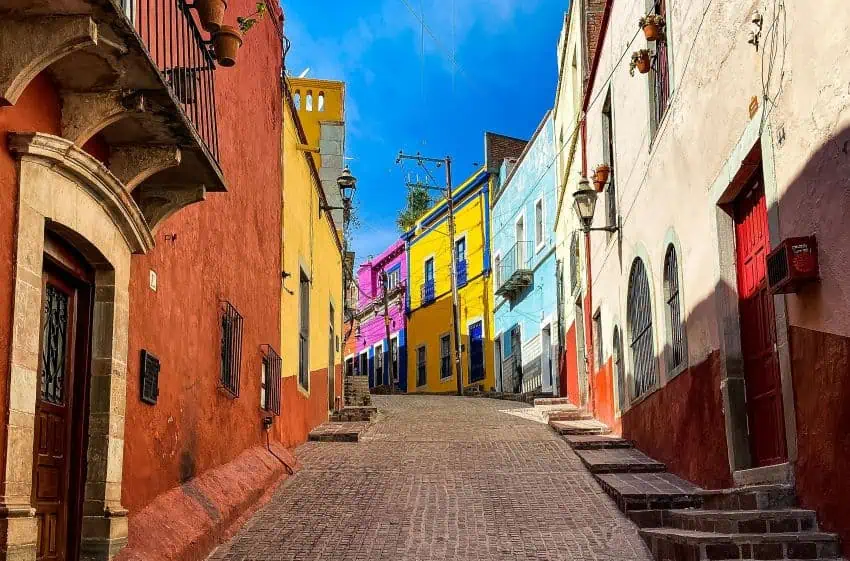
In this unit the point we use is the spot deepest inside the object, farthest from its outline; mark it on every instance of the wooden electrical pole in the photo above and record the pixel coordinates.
(390, 368)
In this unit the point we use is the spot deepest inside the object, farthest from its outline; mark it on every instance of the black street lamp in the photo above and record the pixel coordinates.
(347, 185)
(584, 204)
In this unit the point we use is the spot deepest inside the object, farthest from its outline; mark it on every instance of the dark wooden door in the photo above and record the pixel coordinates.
(758, 328)
(59, 447)
(476, 352)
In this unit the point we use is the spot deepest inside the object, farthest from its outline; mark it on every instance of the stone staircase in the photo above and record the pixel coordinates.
(682, 522)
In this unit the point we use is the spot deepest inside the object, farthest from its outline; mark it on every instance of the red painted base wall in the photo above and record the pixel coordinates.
(821, 374)
(682, 425)
(570, 377)
(603, 397)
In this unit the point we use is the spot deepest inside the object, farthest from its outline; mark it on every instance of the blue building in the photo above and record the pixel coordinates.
(523, 247)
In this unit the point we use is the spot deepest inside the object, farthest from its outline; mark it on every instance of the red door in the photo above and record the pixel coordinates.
(60, 427)
(758, 328)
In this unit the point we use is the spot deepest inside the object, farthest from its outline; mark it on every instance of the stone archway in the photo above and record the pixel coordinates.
(63, 189)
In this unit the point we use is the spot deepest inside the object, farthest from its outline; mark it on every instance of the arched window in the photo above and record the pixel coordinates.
(675, 330)
(321, 102)
(619, 371)
(639, 316)
(575, 267)
(297, 99)
(308, 103)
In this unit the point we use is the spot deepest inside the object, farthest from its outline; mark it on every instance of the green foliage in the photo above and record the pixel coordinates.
(247, 22)
(418, 203)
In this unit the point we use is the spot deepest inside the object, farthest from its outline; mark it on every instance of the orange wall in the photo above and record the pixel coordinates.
(603, 396)
(37, 110)
(227, 247)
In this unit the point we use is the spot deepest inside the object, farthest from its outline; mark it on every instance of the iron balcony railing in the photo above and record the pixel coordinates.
(174, 41)
(461, 272)
(428, 293)
(515, 271)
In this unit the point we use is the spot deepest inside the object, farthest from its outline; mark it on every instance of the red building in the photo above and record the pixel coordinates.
(140, 278)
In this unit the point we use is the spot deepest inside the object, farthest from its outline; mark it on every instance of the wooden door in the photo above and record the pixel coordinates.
(758, 328)
(61, 406)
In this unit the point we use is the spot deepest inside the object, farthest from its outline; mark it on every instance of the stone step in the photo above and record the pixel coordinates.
(648, 491)
(754, 497)
(338, 432)
(352, 414)
(589, 426)
(743, 521)
(569, 415)
(619, 460)
(552, 401)
(670, 544)
(596, 441)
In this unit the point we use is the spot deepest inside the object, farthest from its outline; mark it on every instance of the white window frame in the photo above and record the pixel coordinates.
(375, 362)
(394, 337)
(360, 362)
(497, 270)
(539, 245)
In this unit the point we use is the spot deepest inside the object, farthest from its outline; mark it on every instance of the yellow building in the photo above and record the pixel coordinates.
(431, 365)
(311, 295)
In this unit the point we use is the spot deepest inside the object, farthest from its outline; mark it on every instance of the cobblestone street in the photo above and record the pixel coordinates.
(440, 478)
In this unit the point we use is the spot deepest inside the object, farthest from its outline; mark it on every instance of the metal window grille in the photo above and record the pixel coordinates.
(445, 356)
(184, 58)
(676, 331)
(608, 158)
(660, 77)
(421, 371)
(304, 333)
(575, 267)
(231, 348)
(619, 372)
(272, 365)
(639, 315)
(394, 358)
(149, 384)
(597, 339)
(379, 365)
(54, 352)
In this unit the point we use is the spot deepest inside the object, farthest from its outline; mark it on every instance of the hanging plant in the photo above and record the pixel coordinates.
(653, 27)
(226, 43)
(211, 13)
(247, 22)
(640, 60)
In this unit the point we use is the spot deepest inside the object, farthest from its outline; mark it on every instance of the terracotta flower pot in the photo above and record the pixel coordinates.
(226, 43)
(211, 13)
(598, 185)
(642, 62)
(652, 32)
(603, 171)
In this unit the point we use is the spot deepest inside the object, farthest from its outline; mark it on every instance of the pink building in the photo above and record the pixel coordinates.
(373, 347)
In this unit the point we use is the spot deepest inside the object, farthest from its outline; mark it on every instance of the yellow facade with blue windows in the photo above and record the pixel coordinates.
(431, 365)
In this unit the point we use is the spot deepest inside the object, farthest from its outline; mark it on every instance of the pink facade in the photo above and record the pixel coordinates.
(372, 337)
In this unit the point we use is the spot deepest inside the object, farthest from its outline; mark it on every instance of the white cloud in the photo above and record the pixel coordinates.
(370, 241)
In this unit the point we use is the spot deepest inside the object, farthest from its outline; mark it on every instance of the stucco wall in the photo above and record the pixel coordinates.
(227, 247)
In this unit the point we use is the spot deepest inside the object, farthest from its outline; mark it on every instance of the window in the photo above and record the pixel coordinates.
(608, 158)
(575, 264)
(421, 372)
(639, 316)
(445, 356)
(304, 332)
(331, 345)
(297, 99)
(497, 269)
(364, 364)
(520, 245)
(150, 378)
(659, 83)
(394, 357)
(231, 349)
(619, 372)
(538, 224)
(321, 102)
(349, 366)
(597, 339)
(429, 270)
(308, 102)
(460, 261)
(379, 364)
(675, 330)
(393, 278)
(270, 381)
(460, 250)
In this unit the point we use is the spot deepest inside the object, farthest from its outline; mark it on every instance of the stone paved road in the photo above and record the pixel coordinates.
(440, 478)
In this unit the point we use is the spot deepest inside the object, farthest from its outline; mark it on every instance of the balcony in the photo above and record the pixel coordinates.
(516, 274)
(461, 269)
(428, 292)
(135, 74)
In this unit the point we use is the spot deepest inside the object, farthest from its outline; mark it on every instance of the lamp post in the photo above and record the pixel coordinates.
(584, 204)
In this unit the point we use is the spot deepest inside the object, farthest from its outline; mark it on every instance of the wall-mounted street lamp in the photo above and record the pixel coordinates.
(347, 185)
(584, 204)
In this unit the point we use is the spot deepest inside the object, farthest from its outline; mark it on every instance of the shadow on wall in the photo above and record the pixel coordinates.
(683, 423)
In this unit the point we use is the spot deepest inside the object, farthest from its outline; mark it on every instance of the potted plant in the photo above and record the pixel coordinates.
(226, 43)
(600, 176)
(211, 13)
(653, 27)
(247, 22)
(640, 60)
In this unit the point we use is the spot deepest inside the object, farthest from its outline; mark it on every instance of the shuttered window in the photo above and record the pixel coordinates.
(675, 329)
(619, 371)
(639, 315)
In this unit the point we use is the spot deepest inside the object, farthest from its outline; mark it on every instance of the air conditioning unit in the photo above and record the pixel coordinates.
(792, 264)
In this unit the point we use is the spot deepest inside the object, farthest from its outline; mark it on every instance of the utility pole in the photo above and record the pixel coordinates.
(391, 368)
(447, 161)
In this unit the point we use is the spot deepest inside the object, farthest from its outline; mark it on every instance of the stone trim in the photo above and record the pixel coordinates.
(71, 194)
(86, 114)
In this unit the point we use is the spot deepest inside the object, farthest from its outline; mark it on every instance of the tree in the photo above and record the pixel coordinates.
(418, 203)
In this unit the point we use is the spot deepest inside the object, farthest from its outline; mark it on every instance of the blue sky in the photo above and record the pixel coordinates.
(399, 99)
